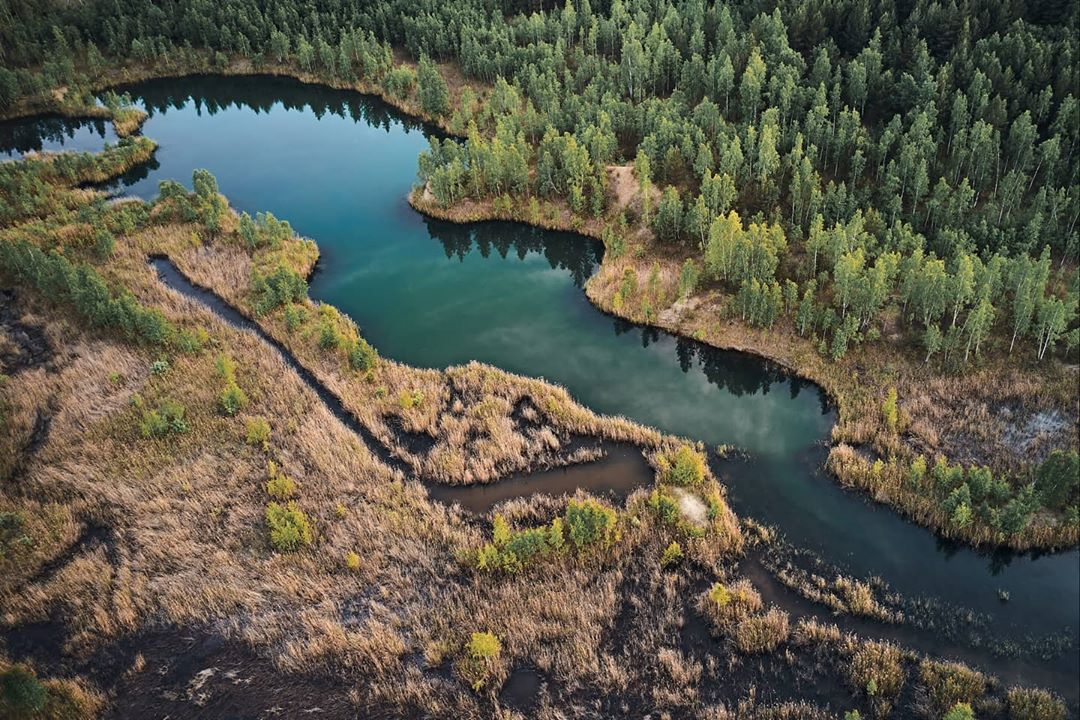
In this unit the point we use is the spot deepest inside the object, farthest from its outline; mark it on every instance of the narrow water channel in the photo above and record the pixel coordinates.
(338, 165)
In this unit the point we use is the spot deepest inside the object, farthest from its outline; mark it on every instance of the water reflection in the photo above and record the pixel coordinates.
(213, 94)
(53, 132)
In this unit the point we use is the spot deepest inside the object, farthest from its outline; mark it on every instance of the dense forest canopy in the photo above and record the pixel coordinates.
(848, 154)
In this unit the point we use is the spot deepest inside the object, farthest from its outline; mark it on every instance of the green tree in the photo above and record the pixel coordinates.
(434, 93)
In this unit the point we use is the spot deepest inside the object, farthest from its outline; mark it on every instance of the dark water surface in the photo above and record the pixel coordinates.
(338, 166)
(53, 132)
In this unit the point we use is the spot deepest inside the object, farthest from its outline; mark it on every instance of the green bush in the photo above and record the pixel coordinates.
(258, 432)
(21, 694)
(590, 523)
(481, 653)
(685, 467)
(295, 315)
(362, 356)
(276, 289)
(960, 711)
(278, 484)
(232, 399)
(167, 419)
(1057, 481)
(664, 506)
(672, 555)
(289, 527)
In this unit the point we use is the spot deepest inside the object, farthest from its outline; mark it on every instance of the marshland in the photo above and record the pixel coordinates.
(286, 431)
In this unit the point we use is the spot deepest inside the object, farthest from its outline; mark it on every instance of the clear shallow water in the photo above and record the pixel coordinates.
(55, 133)
(429, 293)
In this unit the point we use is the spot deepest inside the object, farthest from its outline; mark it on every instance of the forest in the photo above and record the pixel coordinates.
(838, 162)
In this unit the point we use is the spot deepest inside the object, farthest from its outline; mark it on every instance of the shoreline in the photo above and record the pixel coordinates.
(483, 211)
(855, 448)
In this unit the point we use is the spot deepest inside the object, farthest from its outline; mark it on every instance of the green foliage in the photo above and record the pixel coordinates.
(80, 286)
(258, 432)
(1057, 481)
(481, 653)
(960, 711)
(672, 555)
(167, 419)
(280, 287)
(434, 94)
(295, 316)
(685, 467)
(21, 694)
(890, 412)
(589, 523)
(664, 506)
(290, 529)
(232, 399)
(362, 356)
(278, 485)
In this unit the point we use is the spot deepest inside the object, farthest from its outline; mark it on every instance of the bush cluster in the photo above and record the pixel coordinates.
(167, 419)
(585, 524)
(80, 286)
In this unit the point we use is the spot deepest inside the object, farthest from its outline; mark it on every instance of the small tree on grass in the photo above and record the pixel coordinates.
(481, 654)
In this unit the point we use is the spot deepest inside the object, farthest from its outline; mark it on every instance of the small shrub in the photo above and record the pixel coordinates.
(352, 561)
(725, 604)
(685, 467)
(409, 399)
(21, 694)
(589, 523)
(258, 432)
(960, 711)
(167, 419)
(276, 289)
(889, 411)
(672, 555)
(1035, 704)
(159, 367)
(329, 336)
(481, 653)
(762, 633)
(104, 244)
(664, 506)
(362, 356)
(278, 484)
(289, 527)
(878, 665)
(295, 315)
(232, 399)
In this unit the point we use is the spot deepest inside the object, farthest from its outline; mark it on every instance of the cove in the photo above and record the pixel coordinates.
(338, 165)
(54, 133)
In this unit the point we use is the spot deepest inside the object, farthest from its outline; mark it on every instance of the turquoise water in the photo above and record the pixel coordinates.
(338, 167)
